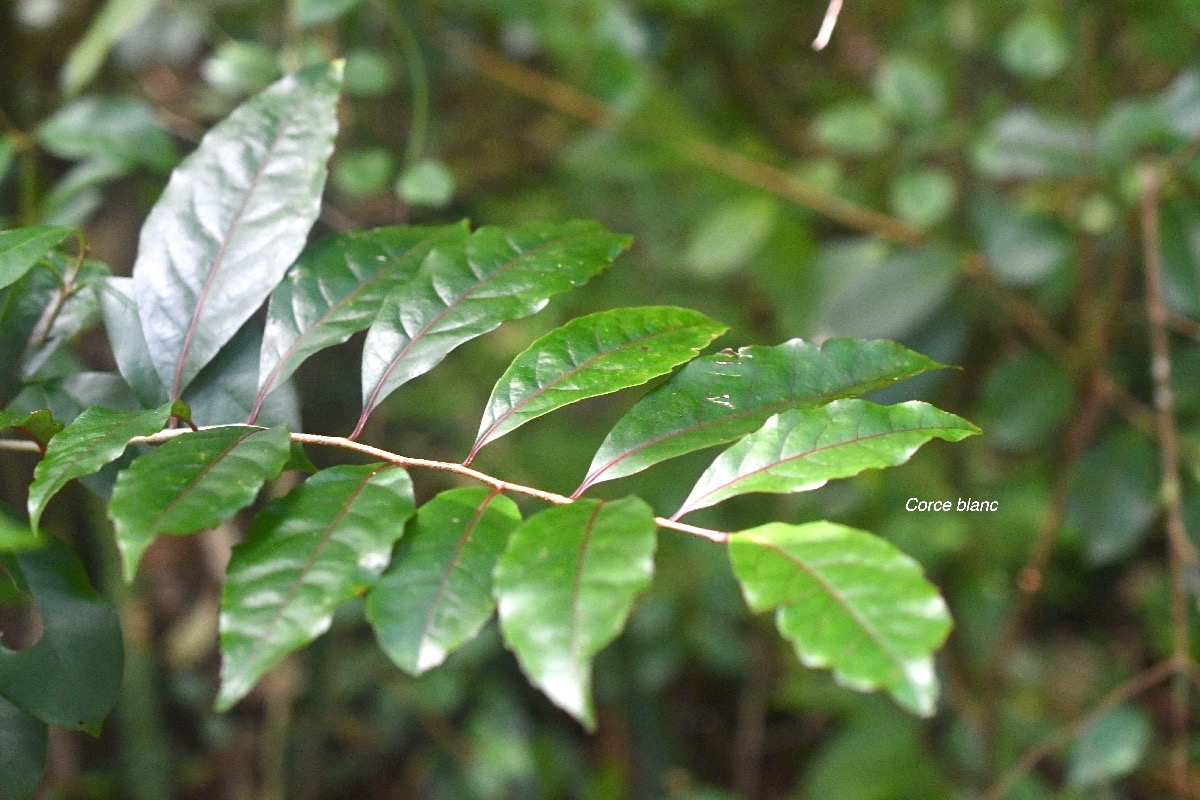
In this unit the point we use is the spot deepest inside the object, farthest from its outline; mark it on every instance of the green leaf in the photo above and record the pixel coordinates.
(590, 356)
(565, 587)
(801, 450)
(71, 676)
(114, 20)
(22, 248)
(462, 292)
(1111, 747)
(225, 390)
(23, 741)
(849, 601)
(1023, 144)
(336, 289)
(325, 542)
(426, 183)
(193, 482)
(308, 13)
(40, 425)
(730, 235)
(1113, 500)
(718, 398)
(437, 593)
(97, 437)
(923, 197)
(854, 128)
(113, 129)
(232, 219)
(910, 90)
(239, 68)
(1035, 47)
(124, 328)
(16, 535)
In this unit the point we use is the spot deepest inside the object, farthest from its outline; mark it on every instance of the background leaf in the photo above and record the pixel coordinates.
(191, 483)
(23, 740)
(22, 248)
(233, 217)
(335, 290)
(437, 593)
(463, 292)
(1111, 747)
(40, 426)
(565, 587)
(96, 437)
(117, 129)
(115, 19)
(323, 543)
(849, 601)
(71, 676)
(590, 356)
(801, 450)
(717, 398)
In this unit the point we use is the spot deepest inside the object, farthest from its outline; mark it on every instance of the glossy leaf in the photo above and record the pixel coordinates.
(193, 482)
(97, 437)
(71, 676)
(325, 542)
(225, 390)
(40, 426)
(565, 587)
(801, 450)
(463, 292)
(23, 741)
(590, 356)
(22, 248)
(850, 602)
(335, 290)
(437, 593)
(232, 219)
(718, 398)
(124, 327)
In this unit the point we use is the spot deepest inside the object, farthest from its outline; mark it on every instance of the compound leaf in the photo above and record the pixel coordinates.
(849, 601)
(325, 542)
(437, 593)
(801, 450)
(462, 292)
(233, 217)
(590, 356)
(335, 290)
(565, 587)
(22, 248)
(718, 398)
(97, 437)
(71, 676)
(193, 482)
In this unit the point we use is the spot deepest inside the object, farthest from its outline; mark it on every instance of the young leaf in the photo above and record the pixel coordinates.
(323, 543)
(97, 437)
(591, 356)
(191, 483)
(565, 587)
(233, 217)
(717, 398)
(70, 677)
(437, 593)
(849, 601)
(335, 290)
(801, 450)
(40, 426)
(22, 248)
(463, 292)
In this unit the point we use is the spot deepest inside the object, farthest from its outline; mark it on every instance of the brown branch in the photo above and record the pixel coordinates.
(1182, 553)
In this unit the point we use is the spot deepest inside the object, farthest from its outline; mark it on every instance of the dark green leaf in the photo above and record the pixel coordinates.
(23, 740)
(437, 593)
(718, 398)
(124, 328)
(232, 219)
(71, 676)
(463, 292)
(224, 391)
(323, 543)
(801, 450)
(40, 426)
(335, 290)
(849, 601)
(96, 437)
(115, 129)
(1114, 494)
(193, 482)
(22, 248)
(591, 356)
(565, 587)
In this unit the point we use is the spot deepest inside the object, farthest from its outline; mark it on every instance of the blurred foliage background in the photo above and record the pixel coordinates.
(966, 177)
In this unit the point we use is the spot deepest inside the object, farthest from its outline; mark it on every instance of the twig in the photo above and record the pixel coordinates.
(1130, 688)
(1182, 553)
(828, 24)
(20, 445)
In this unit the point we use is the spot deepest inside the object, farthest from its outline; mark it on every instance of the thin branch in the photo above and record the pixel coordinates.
(828, 24)
(1184, 561)
(1125, 691)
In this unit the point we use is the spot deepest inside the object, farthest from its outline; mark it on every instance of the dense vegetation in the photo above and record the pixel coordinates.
(1009, 187)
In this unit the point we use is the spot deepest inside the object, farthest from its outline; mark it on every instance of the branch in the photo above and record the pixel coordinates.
(828, 24)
